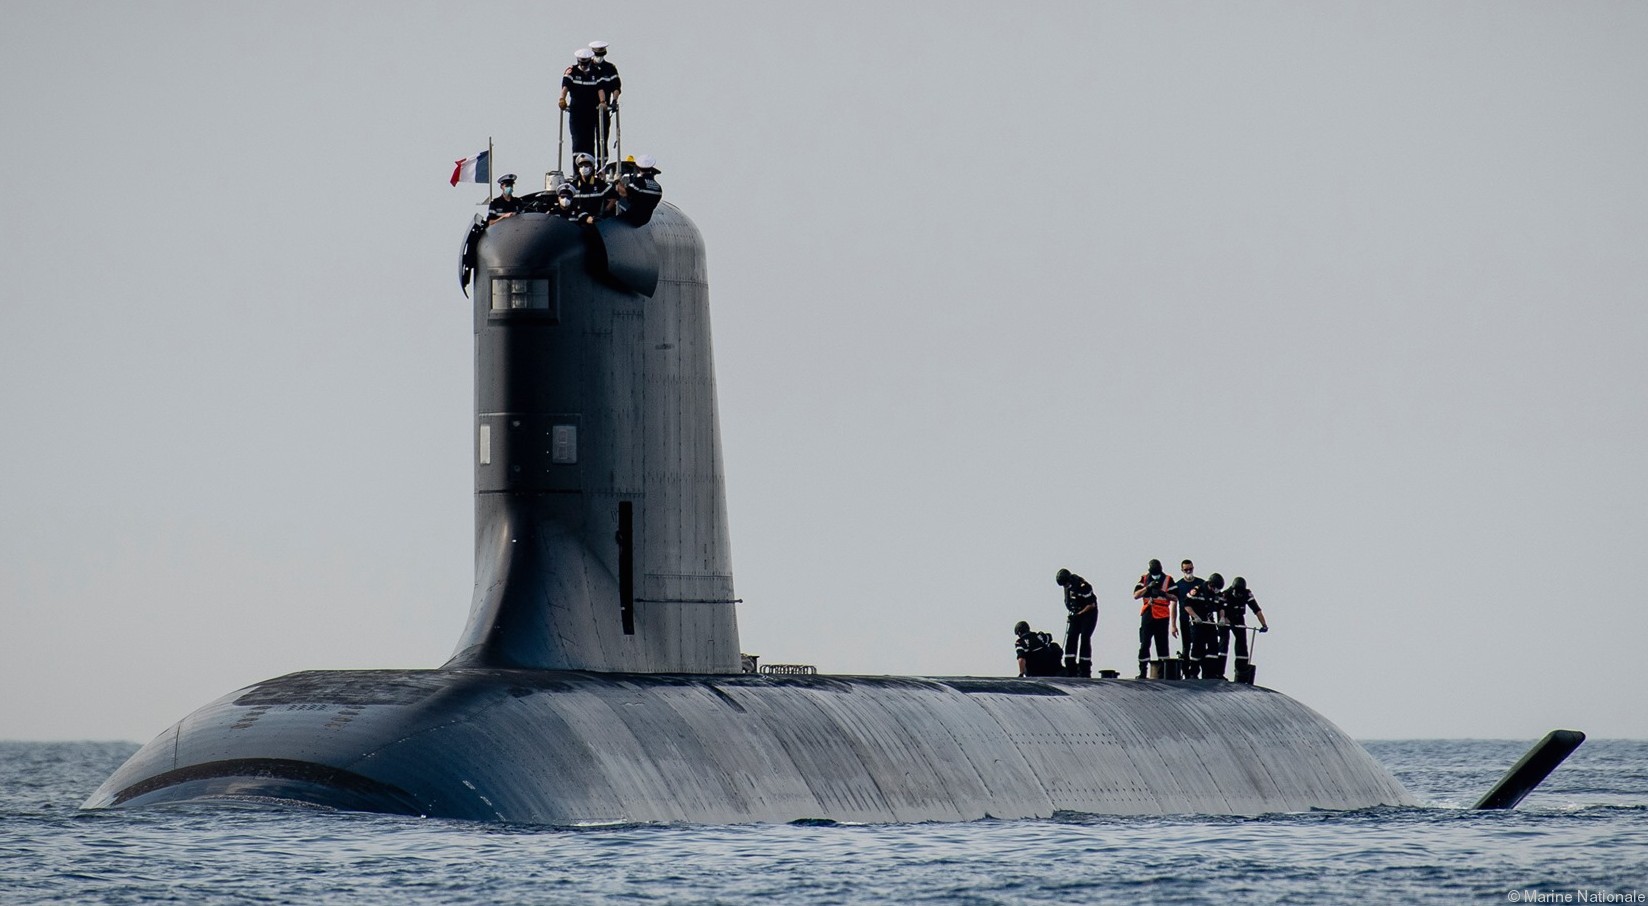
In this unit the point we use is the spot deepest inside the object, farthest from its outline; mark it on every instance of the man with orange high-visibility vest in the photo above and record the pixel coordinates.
(1156, 617)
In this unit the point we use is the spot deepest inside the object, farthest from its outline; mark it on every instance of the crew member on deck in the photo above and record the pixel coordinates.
(1036, 653)
(1155, 593)
(1083, 607)
(613, 86)
(639, 192)
(1211, 632)
(1238, 601)
(506, 203)
(1185, 588)
(583, 99)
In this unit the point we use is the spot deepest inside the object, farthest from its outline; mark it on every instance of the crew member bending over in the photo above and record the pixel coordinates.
(1238, 601)
(1083, 607)
(1036, 653)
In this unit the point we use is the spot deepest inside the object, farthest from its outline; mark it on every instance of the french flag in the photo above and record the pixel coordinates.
(473, 169)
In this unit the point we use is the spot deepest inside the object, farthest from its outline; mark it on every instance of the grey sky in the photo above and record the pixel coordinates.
(1345, 298)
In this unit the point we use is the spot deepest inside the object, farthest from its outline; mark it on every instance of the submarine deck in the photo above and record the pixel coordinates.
(572, 748)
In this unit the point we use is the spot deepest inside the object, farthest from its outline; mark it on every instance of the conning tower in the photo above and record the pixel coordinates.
(601, 539)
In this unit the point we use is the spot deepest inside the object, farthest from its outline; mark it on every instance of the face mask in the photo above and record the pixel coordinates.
(585, 170)
(509, 190)
(565, 201)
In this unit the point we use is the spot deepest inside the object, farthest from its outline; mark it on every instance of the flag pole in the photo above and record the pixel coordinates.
(489, 169)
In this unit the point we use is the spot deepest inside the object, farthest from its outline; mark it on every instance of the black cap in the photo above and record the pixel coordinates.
(1021, 627)
(1155, 566)
(1062, 577)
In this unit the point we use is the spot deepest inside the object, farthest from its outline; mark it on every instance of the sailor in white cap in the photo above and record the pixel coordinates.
(639, 192)
(583, 99)
(612, 85)
(506, 203)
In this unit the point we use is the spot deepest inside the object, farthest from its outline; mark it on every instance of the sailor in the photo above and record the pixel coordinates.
(1037, 654)
(1155, 593)
(1185, 588)
(612, 85)
(1083, 607)
(506, 203)
(564, 196)
(583, 98)
(590, 191)
(1212, 634)
(639, 191)
(1238, 601)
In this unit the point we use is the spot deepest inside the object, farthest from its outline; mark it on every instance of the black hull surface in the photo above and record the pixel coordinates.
(575, 748)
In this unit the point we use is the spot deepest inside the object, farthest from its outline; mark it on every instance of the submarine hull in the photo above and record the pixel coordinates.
(573, 748)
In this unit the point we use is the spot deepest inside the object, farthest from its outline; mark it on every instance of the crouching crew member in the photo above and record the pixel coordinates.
(1238, 601)
(1037, 653)
(1155, 616)
(1083, 607)
(1186, 588)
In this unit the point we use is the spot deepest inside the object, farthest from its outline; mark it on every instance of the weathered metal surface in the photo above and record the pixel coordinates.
(579, 748)
(630, 379)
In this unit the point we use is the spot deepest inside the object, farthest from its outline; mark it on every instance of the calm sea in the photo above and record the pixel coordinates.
(1582, 837)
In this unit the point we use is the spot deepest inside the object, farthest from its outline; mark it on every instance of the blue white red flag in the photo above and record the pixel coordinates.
(473, 169)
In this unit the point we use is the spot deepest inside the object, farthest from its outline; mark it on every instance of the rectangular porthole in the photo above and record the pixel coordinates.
(563, 444)
(510, 294)
(486, 445)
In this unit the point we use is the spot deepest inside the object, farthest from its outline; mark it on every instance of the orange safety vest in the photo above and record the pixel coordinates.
(1160, 607)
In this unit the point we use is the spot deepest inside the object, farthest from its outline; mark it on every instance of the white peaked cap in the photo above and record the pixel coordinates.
(598, 45)
(584, 53)
(646, 162)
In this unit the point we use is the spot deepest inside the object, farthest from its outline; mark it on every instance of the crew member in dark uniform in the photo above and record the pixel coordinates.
(590, 193)
(564, 196)
(1083, 607)
(506, 203)
(1238, 601)
(1185, 589)
(1155, 615)
(583, 99)
(1211, 634)
(639, 192)
(1035, 652)
(612, 85)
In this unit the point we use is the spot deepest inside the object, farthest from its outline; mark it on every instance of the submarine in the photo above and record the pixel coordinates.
(598, 679)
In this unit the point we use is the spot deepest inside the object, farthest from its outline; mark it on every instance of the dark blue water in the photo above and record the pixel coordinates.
(1586, 829)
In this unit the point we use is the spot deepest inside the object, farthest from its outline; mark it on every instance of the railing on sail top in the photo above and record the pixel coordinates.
(603, 130)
